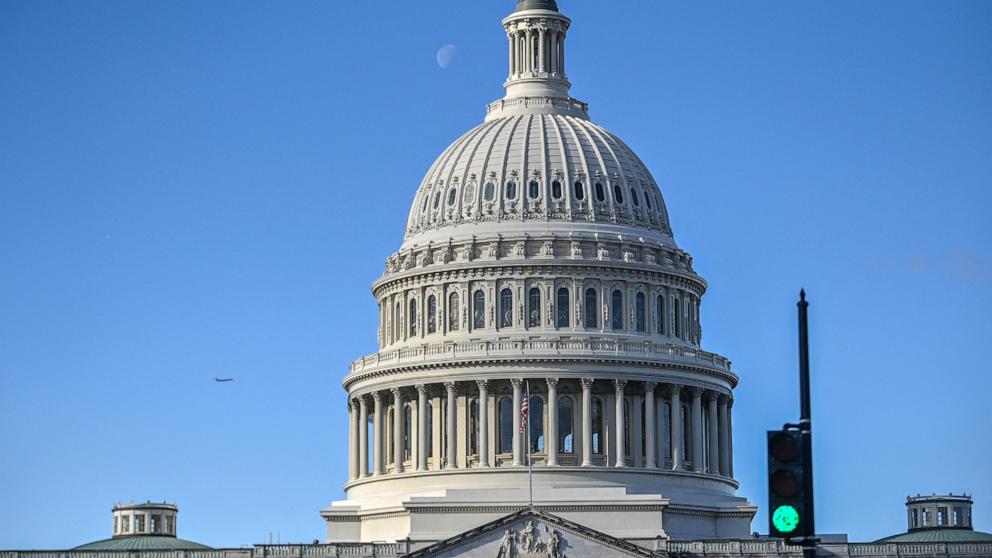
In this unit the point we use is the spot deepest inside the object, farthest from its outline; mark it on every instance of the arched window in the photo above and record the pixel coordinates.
(453, 318)
(634, 198)
(479, 310)
(597, 425)
(616, 309)
(600, 193)
(535, 414)
(639, 312)
(534, 307)
(592, 308)
(533, 189)
(451, 196)
(505, 425)
(511, 190)
(473, 427)
(562, 307)
(407, 437)
(556, 190)
(489, 191)
(430, 430)
(431, 314)
(506, 308)
(580, 191)
(618, 194)
(676, 310)
(660, 310)
(565, 423)
(413, 317)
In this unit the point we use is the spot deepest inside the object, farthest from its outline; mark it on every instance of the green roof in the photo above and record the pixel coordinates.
(940, 535)
(536, 5)
(143, 542)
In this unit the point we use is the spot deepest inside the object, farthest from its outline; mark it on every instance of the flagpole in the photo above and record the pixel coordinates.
(530, 468)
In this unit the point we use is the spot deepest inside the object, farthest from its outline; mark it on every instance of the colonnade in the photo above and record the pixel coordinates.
(537, 51)
(584, 422)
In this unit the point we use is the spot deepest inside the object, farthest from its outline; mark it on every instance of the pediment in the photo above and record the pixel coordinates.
(533, 534)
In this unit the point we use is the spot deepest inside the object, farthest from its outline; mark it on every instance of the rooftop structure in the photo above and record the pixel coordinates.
(939, 518)
(147, 526)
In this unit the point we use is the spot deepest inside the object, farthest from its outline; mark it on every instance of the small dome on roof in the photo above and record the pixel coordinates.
(143, 542)
(536, 5)
(146, 526)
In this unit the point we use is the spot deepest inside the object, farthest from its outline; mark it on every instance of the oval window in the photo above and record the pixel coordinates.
(556, 190)
(600, 194)
(470, 193)
(451, 197)
(533, 189)
(647, 199)
(511, 190)
(437, 199)
(634, 198)
(489, 191)
(617, 193)
(580, 192)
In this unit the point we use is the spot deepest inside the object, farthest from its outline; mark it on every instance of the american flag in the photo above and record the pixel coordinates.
(523, 415)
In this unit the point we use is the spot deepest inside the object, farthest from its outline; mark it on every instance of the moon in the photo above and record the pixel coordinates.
(445, 55)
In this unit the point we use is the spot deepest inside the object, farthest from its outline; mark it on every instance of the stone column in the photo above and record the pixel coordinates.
(422, 440)
(517, 402)
(675, 423)
(452, 408)
(352, 441)
(724, 438)
(529, 51)
(587, 421)
(551, 444)
(363, 438)
(398, 430)
(697, 429)
(714, 436)
(510, 40)
(540, 50)
(483, 433)
(619, 422)
(378, 456)
(730, 438)
(650, 420)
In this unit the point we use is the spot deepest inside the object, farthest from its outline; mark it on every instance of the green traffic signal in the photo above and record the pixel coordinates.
(785, 519)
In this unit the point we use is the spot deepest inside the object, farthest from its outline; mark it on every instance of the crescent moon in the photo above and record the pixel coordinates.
(445, 55)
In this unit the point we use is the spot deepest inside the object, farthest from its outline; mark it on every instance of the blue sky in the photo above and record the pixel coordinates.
(197, 189)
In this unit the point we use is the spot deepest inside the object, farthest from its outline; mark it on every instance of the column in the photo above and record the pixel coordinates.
(452, 408)
(554, 52)
(551, 444)
(619, 422)
(724, 438)
(650, 420)
(730, 438)
(377, 445)
(697, 430)
(517, 402)
(675, 422)
(422, 440)
(540, 50)
(352, 441)
(509, 38)
(529, 52)
(363, 438)
(483, 434)
(714, 436)
(587, 421)
(398, 430)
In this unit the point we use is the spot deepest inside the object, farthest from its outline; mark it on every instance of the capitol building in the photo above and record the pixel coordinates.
(541, 387)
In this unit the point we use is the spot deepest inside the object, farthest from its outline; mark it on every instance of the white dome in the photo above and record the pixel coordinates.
(528, 168)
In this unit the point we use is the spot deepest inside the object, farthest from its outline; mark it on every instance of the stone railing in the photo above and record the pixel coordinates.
(536, 348)
(351, 550)
(562, 103)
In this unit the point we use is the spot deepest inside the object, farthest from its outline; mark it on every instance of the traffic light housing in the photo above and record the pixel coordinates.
(788, 501)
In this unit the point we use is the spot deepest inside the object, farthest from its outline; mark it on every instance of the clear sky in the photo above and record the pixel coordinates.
(194, 189)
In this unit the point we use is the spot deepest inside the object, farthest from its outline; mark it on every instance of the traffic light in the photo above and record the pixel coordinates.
(788, 501)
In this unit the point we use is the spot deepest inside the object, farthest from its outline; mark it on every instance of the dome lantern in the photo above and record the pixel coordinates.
(536, 33)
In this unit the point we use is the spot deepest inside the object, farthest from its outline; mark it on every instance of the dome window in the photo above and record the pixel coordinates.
(470, 193)
(534, 189)
(556, 190)
(618, 193)
(511, 190)
(600, 193)
(647, 199)
(489, 191)
(634, 198)
(580, 192)
(451, 197)
(437, 199)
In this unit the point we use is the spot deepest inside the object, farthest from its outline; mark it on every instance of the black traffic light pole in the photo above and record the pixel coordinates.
(805, 423)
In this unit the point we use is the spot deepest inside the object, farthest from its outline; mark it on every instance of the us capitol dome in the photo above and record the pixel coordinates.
(538, 258)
